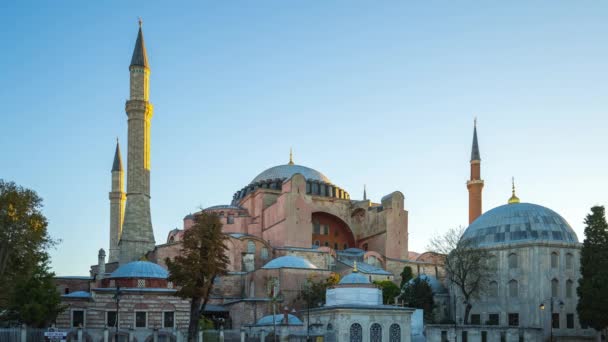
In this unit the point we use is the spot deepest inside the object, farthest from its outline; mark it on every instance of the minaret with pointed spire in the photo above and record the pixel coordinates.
(475, 183)
(364, 193)
(117, 204)
(137, 235)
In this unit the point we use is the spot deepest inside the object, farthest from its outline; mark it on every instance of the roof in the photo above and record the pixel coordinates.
(519, 223)
(475, 148)
(77, 294)
(365, 267)
(278, 319)
(287, 171)
(140, 57)
(223, 206)
(355, 278)
(140, 269)
(289, 261)
(117, 165)
(435, 284)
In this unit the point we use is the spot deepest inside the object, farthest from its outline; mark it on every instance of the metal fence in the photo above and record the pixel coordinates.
(10, 334)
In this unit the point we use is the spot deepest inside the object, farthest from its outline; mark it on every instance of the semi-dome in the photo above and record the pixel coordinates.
(519, 223)
(289, 261)
(287, 171)
(435, 284)
(140, 269)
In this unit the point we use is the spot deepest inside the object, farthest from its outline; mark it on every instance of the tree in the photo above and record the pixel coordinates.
(466, 266)
(406, 275)
(27, 291)
(592, 288)
(418, 294)
(389, 291)
(313, 292)
(202, 259)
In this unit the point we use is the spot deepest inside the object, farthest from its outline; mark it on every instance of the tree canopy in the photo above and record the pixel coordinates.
(389, 291)
(406, 275)
(313, 292)
(27, 290)
(592, 291)
(202, 259)
(418, 294)
(467, 267)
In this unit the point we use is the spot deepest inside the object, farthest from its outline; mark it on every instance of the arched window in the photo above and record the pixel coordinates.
(493, 289)
(345, 246)
(250, 247)
(512, 260)
(317, 243)
(264, 253)
(326, 244)
(230, 219)
(569, 285)
(172, 239)
(554, 258)
(330, 327)
(375, 333)
(569, 261)
(554, 288)
(356, 333)
(394, 333)
(513, 289)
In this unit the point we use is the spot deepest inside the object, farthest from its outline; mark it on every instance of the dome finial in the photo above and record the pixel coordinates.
(513, 199)
(139, 21)
(355, 270)
(290, 156)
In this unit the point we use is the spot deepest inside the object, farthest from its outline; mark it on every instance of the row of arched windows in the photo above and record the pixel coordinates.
(375, 333)
(513, 287)
(513, 260)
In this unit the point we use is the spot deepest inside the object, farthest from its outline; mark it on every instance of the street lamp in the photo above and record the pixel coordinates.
(542, 307)
(117, 299)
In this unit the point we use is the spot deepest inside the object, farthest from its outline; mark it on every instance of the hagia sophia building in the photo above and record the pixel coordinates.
(288, 224)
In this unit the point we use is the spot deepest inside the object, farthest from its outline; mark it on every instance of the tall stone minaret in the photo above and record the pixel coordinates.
(137, 235)
(475, 184)
(117, 204)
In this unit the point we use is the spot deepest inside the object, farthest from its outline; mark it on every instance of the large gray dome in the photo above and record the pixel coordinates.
(519, 223)
(288, 170)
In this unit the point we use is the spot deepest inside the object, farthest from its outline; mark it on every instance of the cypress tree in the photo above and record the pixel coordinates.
(592, 288)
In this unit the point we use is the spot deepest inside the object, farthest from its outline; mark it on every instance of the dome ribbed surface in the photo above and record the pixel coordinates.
(287, 171)
(140, 269)
(355, 278)
(289, 261)
(519, 223)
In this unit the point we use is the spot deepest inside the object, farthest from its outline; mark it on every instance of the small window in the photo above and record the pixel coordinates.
(512, 260)
(365, 247)
(465, 336)
(169, 284)
(476, 319)
(326, 244)
(111, 318)
(250, 247)
(316, 228)
(444, 336)
(141, 283)
(569, 286)
(141, 319)
(77, 318)
(513, 319)
(569, 261)
(570, 321)
(317, 243)
(345, 246)
(264, 253)
(335, 245)
(325, 229)
(484, 336)
(493, 319)
(168, 319)
(555, 320)
(230, 219)
(554, 288)
(554, 258)
(66, 291)
(513, 289)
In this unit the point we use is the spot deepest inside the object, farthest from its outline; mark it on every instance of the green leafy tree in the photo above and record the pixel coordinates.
(389, 291)
(313, 292)
(406, 275)
(466, 266)
(27, 291)
(418, 294)
(202, 259)
(592, 288)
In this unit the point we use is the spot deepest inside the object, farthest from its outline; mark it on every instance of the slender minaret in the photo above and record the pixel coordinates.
(475, 184)
(117, 204)
(364, 193)
(137, 235)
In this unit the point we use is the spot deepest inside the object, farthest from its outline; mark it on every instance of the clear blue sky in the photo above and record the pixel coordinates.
(367, 92)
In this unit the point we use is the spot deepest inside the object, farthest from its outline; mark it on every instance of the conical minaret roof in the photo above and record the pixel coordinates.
(117, 165)
(475, 148)
(140, 57)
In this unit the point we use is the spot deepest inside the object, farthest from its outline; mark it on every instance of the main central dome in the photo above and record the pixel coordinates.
(287, 171)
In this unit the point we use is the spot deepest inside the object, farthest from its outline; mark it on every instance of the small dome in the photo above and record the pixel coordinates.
(289, 261)
(278, 319)
(519, 223)
(77, 294)
(435, 284)
(140, 269)
(355, 278)
(287, 171)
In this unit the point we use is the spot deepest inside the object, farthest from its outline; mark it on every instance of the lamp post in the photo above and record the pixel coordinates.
(117, 299)
(542, 308)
